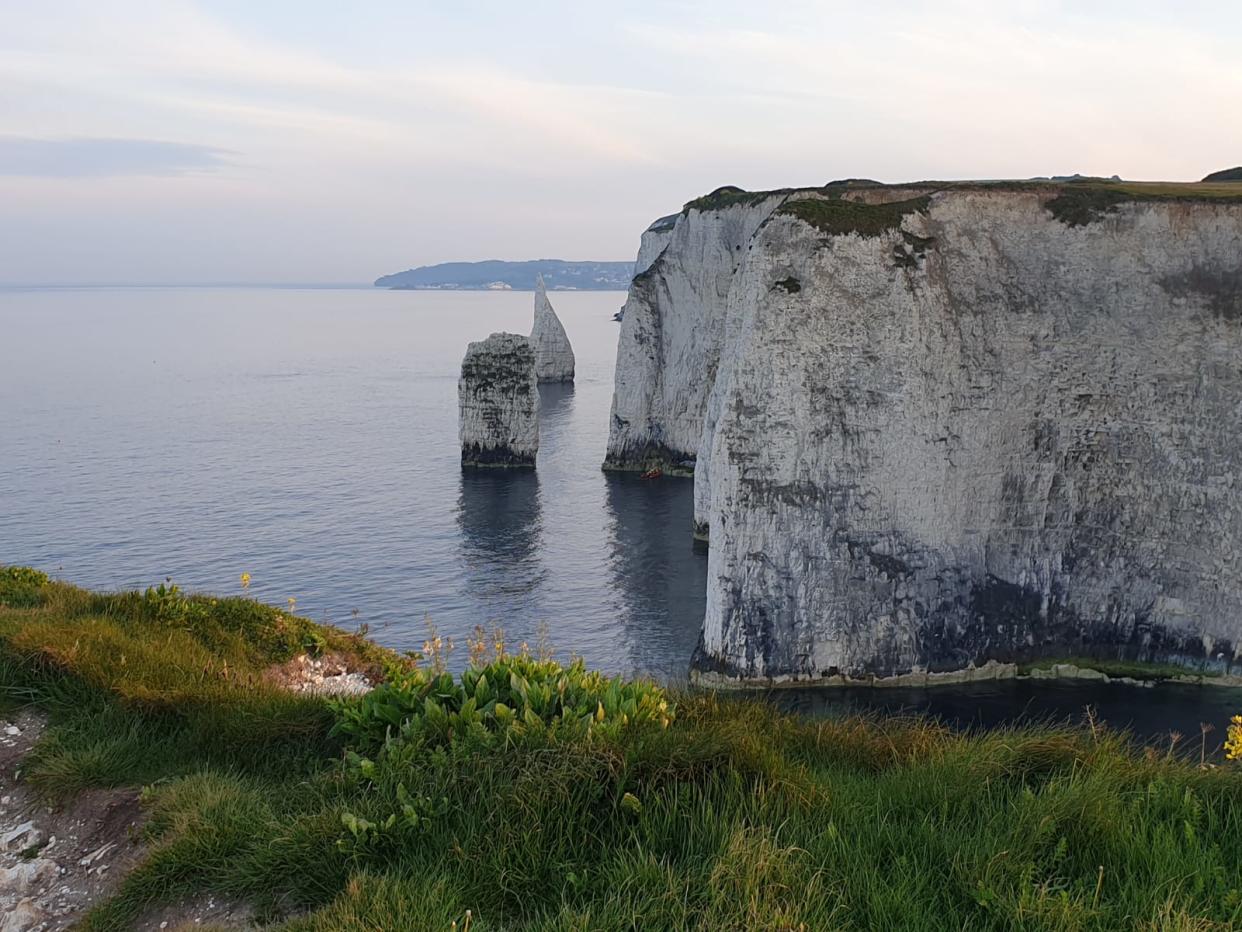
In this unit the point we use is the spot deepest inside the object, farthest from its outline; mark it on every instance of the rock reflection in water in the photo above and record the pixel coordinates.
(556, 400)
(501, 523)
(659, 574)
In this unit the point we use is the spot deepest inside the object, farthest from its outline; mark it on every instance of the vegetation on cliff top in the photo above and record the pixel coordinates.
(1228, 174)
(730, 196)
(539, 796)
(838, 216)
(1075, 203)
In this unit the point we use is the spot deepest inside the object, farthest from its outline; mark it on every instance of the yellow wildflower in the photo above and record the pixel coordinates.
(1233, 739)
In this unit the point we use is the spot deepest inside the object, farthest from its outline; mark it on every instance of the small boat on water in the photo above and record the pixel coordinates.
(652, 473)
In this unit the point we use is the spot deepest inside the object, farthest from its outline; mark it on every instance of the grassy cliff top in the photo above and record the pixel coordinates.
(869, 208)
(729, 195)
(527, 795)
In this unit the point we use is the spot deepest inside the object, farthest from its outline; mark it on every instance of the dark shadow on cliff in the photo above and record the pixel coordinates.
(499, 513)
(658, 572)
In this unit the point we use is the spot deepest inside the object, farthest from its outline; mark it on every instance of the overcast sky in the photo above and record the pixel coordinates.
(306, 141)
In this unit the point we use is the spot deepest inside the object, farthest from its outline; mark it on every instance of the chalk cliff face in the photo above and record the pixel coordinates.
(672, 331)
(936, 428)
(498, 402)
(554, 357)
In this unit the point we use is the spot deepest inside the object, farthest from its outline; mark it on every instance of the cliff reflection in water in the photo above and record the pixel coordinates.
(605, 561)
(659, 575)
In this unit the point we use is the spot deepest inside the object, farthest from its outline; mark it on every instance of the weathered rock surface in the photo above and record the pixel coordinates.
(987, 424)
(653, 241)
(672, 330)
(554, 357)
(498, 402)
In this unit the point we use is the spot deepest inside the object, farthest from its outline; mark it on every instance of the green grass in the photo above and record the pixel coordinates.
(144, 685)
(1075, 203)
(838, 216)
(1082, 203)
(729, 196)
(1134, 669)
(734, 816)
(1226, 174)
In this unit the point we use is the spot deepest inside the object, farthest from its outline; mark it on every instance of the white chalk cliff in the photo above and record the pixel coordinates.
(554, 357)
(498, 402)
(932, 427)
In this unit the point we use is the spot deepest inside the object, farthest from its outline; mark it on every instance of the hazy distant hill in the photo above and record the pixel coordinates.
(520, 276)
(1229, 174)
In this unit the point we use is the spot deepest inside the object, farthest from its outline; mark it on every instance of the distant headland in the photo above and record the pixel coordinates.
(499, 275)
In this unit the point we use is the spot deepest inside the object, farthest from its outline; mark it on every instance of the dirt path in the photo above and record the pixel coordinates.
(57, 862)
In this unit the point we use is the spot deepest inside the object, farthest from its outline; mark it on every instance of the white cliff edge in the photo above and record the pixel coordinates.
(941, 430)
(672, 330)
(554, 357)
(498, 402)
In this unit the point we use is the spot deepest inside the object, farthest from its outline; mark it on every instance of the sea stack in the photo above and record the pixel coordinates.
(498, 402)
(554, 357)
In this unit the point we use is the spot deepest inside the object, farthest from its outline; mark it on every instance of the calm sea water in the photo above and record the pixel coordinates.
(309, 438)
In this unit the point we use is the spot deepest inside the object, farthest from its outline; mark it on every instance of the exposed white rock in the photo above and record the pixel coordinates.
(654, 239)
(498, 402)
(981, 433)
(22, 836)
(672, 330)
(23, 876)
(25, 916)
(554, 357)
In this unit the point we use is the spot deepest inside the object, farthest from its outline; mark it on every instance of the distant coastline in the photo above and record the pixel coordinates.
(500, 275)
(123, 286)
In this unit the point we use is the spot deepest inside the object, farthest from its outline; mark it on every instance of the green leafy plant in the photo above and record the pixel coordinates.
(166, 603)
(21, 586)
(513, 696)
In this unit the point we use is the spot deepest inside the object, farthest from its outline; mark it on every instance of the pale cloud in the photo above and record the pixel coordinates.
(263, 125)
(97, 158)
(181, 62)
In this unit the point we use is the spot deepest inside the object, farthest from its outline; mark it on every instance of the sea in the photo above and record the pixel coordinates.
(308, 437)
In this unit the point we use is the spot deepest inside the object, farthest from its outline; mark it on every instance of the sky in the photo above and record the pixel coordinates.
(168, 141)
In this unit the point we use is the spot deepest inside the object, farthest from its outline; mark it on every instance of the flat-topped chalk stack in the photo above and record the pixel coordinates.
(498, 393)
(498, 402)
(554, 357)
